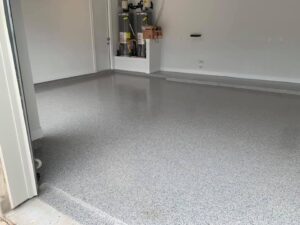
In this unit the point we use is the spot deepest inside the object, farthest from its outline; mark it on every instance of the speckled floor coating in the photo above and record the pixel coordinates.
(148, 151)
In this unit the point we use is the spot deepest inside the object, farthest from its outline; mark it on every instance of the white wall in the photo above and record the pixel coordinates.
(55, 39)
(247, 39)
(60, 38)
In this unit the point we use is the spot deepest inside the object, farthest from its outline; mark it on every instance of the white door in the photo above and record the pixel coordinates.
(101, 34)
(15, 151)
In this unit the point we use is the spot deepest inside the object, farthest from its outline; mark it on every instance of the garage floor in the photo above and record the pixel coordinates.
(122, 149)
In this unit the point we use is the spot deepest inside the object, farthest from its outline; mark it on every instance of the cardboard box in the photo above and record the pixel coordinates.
(152, 32)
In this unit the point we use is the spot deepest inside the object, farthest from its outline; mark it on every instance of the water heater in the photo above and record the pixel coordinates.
(125, 33)
(132, 19)
(142, 19)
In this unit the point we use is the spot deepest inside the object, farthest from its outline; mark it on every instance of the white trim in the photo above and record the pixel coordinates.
(64, 76)
(148, 65)
(247, 87)
(36, 134)
(231, 75)
(15, 150)
(92, 24)
(111, 36)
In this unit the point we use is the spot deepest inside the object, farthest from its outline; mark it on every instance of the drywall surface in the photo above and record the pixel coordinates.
(25, 69)
(60, 38)
(247, 39)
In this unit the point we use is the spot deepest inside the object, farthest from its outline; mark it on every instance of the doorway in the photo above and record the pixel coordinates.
(70, 39)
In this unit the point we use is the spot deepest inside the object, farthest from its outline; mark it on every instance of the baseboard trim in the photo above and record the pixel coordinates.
(132, 73)
(239, 83)
(36, 134)
(224, 81)
(232, 75)
(76, 77)
(255, 82)
(254, 88)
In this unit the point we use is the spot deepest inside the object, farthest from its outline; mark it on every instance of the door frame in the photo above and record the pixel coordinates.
(16, 153)
(110, 35)
(15, 146)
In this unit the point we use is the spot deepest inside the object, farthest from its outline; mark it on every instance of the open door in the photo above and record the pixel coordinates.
(15, 149)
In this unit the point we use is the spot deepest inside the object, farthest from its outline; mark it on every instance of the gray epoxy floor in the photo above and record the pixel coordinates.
(148, 151)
